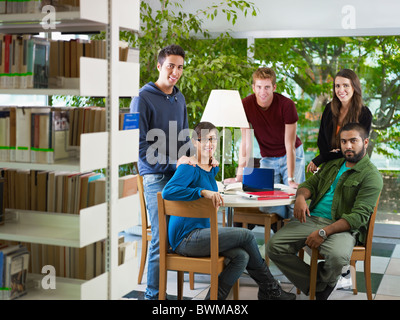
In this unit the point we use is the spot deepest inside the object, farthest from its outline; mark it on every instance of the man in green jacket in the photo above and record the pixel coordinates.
(343, 195)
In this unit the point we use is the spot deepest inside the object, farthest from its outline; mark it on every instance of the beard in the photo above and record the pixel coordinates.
(353, 156)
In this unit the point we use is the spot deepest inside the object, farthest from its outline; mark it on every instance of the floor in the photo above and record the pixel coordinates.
(385, 273)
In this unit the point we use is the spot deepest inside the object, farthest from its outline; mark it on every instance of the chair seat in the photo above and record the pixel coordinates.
(191, 264)
(255, 218)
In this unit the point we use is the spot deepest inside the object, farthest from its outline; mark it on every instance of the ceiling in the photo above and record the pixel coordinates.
(306, 18)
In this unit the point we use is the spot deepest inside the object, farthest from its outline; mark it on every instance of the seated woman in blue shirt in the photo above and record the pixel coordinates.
(191, 236)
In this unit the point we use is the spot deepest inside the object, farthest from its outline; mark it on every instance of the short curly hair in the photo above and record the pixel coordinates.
(264, 73)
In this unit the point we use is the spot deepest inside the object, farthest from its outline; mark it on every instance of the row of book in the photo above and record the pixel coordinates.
(78, 263)
(14, 264)
(28, 61)
(63, 192)
(35, 6)
(48, 134)
(18, 260)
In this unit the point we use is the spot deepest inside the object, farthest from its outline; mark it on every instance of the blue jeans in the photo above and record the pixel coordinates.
(153, 183)
(279, 165)
(237, 244)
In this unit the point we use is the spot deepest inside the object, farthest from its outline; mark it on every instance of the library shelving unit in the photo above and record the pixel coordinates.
(108, 78)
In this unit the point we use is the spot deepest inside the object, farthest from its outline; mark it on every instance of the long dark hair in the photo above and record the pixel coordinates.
(355, 108)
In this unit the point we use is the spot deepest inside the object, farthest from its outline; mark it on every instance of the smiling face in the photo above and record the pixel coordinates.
(206, 145)
(344, 90)
(170, 73)
(264, 92)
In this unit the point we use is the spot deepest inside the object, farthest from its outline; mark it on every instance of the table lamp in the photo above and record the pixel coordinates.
(225, 109)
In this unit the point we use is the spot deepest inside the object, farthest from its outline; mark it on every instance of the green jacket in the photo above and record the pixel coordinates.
(355, 195)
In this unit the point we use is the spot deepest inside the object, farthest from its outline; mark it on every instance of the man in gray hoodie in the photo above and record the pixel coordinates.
(164, 138)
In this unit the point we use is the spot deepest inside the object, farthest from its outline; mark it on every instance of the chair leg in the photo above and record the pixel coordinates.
(214, 287)
(367, 274)
(162, 284)
(313, 273)
(142, 260)
(191, 280)
(301, 256)
(236, 290)
(267, 235)
(180, 285)
(353, 276)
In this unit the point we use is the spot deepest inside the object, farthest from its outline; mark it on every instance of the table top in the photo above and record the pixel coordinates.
(236, 201)
(233, 200)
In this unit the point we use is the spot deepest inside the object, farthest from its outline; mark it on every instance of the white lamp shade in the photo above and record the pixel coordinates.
(225, 109)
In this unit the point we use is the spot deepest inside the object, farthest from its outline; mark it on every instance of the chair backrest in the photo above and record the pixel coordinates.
(143, 210)
(370, 229)
(201, 208)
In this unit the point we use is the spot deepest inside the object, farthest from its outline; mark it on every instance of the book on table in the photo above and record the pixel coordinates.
(272, 195)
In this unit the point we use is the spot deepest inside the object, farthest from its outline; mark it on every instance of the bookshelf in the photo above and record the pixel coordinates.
(108, 78)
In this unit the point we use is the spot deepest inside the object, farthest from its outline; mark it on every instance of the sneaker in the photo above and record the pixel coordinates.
(345, 281)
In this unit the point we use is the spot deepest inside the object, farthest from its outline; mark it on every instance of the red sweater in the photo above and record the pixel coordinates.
(269, 125)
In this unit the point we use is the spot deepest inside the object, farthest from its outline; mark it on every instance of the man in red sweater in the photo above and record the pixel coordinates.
(273, 117)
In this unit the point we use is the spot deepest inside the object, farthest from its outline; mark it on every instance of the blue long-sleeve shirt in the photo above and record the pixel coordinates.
(186, 185)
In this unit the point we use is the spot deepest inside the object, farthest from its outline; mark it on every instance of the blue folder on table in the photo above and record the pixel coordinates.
(258, 179)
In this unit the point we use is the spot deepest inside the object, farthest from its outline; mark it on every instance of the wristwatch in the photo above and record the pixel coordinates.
(291, 179)
(322, 234)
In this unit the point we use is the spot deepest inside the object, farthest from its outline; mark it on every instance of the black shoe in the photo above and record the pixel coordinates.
(324, 295)
(273, 291)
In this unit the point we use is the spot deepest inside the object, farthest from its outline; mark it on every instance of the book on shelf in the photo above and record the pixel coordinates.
(97, 191)
(23, 134)
(34, 134)
(126, 251)
(41, 119)
(127, 185)
(55, 191)
(3, 196)
(15, 264)
(4, 250)
(29, 61)
(128, 121)
(26, 6)
(3, 7)
(85, 120)
(5, 134)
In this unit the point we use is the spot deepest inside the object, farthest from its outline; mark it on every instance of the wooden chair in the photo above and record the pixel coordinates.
(360, 253)
(146, 233)
(255, 216)
(213, 265)
(146, 228)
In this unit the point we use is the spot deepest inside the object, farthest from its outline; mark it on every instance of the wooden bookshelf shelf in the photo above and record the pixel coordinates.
(92, 17)
(93, 81)
(61, 229)
(93, 154)
(67, 288)
(75, 289)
